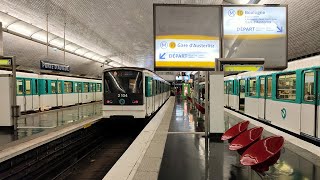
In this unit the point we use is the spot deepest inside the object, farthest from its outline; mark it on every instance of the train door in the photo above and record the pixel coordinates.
(309, 121)
(79, 92)
(59, 93)
(28, 98)
(154, 95)
(242, 92)
(262, 98)
(54, 94)
(94, 91)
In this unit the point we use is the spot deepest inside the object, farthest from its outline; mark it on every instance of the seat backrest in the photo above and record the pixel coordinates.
(235, 130)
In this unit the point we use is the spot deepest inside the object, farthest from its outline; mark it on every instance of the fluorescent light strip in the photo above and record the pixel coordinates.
(18, 27)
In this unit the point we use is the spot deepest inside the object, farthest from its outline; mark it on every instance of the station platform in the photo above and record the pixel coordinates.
(39, 128)
(173, 147)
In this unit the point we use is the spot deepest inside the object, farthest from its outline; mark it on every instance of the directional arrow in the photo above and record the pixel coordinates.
(161, 56)
(279, 29)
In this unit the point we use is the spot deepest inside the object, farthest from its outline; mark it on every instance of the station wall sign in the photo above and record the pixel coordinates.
(258, 21)
(186, 51)
(186, 37)
(54, 67)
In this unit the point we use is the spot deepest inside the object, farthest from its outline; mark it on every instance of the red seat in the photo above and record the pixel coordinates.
(235, 130)
(263, 153)
(189, 98)
(245, 139)
(200, 108)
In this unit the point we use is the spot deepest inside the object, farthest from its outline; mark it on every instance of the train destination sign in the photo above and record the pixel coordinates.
(257, 22)
(188, 51)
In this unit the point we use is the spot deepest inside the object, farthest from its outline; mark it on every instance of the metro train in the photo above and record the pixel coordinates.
(133, 92)
(41, 92)
(289, 99)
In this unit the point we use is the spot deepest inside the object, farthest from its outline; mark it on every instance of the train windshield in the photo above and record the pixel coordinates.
(123, 81)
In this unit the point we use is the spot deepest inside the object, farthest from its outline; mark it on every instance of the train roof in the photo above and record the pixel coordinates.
(135, 68)
(310, 62)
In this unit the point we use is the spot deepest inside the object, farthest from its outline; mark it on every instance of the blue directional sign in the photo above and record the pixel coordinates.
(254, 20)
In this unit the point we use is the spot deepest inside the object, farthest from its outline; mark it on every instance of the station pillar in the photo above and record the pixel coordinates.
(216, 100)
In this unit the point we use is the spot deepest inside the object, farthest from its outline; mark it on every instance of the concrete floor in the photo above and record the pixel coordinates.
(185, 155)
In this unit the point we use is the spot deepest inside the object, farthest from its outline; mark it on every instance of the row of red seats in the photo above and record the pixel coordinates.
(197, 105)
(254, 151)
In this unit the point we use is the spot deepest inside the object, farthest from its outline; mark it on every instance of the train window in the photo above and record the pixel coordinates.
(28, 87)
(36, 86)
(53, 87)
(94, 87)
(230, 87)
(90, 87)
(286, 86)
(85, 87)
(309, 86)
(68, 87)
(123, 81)
(252, 87)
(262, 82)
(242, 88)
(76, 87)
(269, 87)
(59, 88)
(46, 85)
(99, 87)
(19, 87)
(79, 87)
(225, 87)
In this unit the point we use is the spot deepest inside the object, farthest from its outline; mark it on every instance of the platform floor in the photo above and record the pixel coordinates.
(186, 157)
(34, 123)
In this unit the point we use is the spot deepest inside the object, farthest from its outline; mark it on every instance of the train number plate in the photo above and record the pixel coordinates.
(122, 95)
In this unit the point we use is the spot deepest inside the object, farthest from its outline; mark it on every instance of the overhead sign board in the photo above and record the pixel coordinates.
(256, 31)
(5, 62)
(184, 39)
(188, 51)
(240, 68)
(254, 20)
(54, 67)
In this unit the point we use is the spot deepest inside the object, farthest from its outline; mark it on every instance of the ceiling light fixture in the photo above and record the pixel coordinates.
(23, 29)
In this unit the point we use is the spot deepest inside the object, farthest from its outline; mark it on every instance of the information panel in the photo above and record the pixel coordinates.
(261, 22)
(256, 31)
(184, 39)
(188, 51)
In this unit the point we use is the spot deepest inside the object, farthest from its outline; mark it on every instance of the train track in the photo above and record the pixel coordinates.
(98, 160)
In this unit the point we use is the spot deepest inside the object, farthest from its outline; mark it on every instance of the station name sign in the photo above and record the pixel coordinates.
(54, 67)
(257, 22)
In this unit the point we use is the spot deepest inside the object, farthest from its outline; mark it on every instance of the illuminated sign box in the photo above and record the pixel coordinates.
(184, 39)
(5, 62)
(256, 31)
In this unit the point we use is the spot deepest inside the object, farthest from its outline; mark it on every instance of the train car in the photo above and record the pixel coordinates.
(42, 92)
(133, 92)
(289, 99)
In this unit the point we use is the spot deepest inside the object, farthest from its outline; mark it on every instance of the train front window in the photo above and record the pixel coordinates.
(123, 81)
